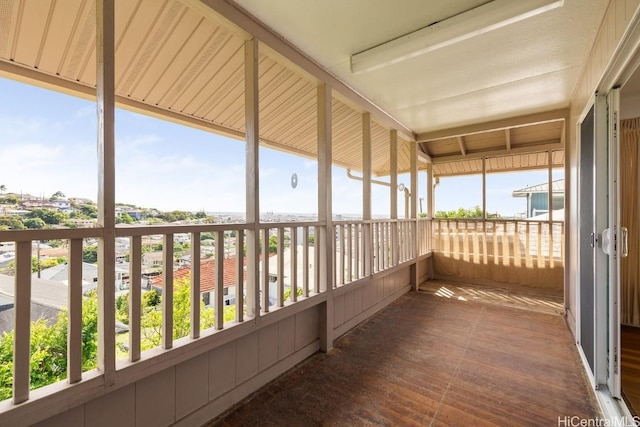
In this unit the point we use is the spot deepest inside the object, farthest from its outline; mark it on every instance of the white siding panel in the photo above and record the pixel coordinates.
(222, 370)
(115, 408)
(156, 399)
(192, 385)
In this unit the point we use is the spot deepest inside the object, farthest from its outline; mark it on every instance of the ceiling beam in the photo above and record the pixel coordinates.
(463, 151)
(239, 17)
(513, 122)
(546, 146)
(422, 154)
(479, 171)
(507, 137)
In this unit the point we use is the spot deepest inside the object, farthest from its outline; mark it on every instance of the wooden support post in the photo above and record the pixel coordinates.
(325, 236)
(413, 248)
(252, 131)
(393, 214)
(105, 99)
(22, 317)
(367, 253)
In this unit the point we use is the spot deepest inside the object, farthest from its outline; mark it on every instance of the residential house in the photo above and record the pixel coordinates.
(208, 279)
(537, 197)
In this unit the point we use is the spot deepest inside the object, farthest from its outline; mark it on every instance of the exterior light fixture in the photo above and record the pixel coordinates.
(477, 21)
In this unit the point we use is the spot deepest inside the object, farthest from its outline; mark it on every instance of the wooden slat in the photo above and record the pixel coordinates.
(265, 270)
(74, 325)
(195, 286)
(280, 291)
(135, 291)
(305, 261)
(167, 292)
(341, 266)
(22, 318)
(218, 301)
(240, 275)
(293, 297)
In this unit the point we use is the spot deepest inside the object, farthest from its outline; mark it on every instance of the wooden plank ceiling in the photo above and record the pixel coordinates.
(506, 149)
(174, 63)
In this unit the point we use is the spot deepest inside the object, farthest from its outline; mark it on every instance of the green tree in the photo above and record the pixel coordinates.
(471, 213)
(57, 195)
(48, 362)
(3, 188)
(9, 199)
(48, 216)
(89, 211)
(124, 218)
(10, 222)
(90, 254)
(151, 321)
(34, 223)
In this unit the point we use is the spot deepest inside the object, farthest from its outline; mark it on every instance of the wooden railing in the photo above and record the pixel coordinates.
(362, 248)
(529, 243)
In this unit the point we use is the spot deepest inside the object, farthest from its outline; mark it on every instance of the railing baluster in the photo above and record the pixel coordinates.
(293, 297)
(240, 275)
(540, 254)
(22, 313)
(167, 294)
(74, 325)
(135, 298)
(218, 302)
(349, 253)
(265, 271)
(305, 261)
(280, 267)
(357, 245)
(194, 285)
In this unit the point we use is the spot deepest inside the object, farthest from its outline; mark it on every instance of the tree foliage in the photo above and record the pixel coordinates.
(48, 216)
(48, 362)
(470, 213)
(10, 222)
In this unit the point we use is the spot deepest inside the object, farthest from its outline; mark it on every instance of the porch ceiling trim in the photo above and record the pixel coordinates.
(502, 124)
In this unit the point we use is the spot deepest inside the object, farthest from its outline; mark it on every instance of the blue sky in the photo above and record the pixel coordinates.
(47, 143)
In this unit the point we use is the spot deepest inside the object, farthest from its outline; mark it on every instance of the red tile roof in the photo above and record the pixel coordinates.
(207, 274)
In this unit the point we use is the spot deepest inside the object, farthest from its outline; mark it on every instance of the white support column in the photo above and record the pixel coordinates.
(105, 98)
(253, 176)
(393, 160)
(326, 237)
(367, 254)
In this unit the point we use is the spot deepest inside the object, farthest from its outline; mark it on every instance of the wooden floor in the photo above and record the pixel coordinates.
(630, 373)
(433, 360)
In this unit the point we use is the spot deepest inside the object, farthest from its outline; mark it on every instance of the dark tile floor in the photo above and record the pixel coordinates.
(431, 360)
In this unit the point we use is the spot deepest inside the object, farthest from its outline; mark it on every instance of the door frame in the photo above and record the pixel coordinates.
(598, 376)
(619, 69)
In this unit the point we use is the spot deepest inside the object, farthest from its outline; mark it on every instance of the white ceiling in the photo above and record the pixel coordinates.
(526, 67)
